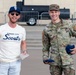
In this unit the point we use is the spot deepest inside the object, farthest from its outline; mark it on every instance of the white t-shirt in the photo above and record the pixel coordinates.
(10, 41)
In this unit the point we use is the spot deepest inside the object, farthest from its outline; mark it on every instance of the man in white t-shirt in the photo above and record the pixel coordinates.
(12, 43)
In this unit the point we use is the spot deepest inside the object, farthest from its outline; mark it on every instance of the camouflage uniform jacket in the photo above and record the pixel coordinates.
(54, 39)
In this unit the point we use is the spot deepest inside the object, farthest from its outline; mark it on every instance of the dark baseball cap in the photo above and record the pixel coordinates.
(14, 8)
(54, 7)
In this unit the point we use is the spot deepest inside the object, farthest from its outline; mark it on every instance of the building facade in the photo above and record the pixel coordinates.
(5, 5)
(71, 4)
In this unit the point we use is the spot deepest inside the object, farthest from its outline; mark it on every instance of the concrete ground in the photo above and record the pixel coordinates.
(33, 64)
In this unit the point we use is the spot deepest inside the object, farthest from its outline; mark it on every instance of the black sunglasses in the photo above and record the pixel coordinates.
(14, 14)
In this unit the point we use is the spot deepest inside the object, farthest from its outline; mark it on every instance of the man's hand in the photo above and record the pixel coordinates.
(48, 61)
(73, 50)
(24, 52)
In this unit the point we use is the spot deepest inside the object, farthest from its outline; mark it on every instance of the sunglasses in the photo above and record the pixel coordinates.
(14, 14)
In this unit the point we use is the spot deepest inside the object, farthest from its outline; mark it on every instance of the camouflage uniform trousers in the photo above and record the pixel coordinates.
(59, 70)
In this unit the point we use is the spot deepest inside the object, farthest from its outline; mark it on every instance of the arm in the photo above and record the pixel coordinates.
(23, 42)
(46, 45)
(23, 46)
(73, 30)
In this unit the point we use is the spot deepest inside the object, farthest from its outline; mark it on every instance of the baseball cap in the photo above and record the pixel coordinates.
(14, 8)
(54, 7)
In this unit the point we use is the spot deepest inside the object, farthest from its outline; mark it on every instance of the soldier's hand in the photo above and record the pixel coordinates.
(73, 50)
(46, 62)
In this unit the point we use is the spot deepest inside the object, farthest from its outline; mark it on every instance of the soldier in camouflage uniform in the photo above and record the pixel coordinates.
(55, 36)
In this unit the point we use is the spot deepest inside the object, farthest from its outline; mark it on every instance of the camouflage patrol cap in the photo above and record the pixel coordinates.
(54, 7)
